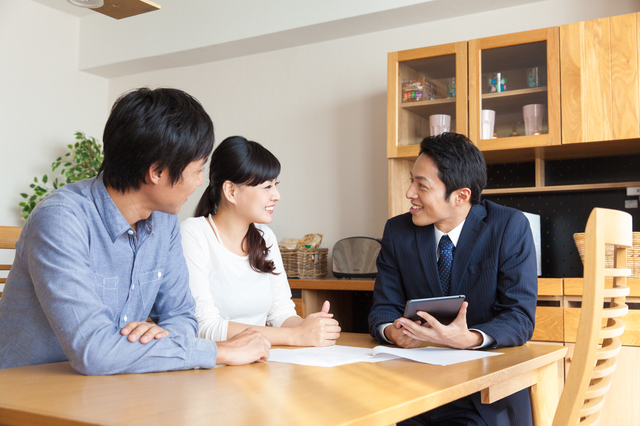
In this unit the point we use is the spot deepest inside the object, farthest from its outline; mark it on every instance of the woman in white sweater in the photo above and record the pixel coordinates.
(236, 273)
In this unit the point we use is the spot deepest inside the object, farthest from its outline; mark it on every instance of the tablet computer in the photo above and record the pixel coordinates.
(444, 309)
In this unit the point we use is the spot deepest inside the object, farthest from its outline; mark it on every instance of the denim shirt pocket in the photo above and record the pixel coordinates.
(149, 286)
(108, 291)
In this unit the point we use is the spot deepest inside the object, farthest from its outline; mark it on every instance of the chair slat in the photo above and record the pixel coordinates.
(8, 236)
(604, 368)
(592, 406)
(617, 311)
(614, 330)
(609, 351)
(600, 388)
(617, 292)
(617, 272)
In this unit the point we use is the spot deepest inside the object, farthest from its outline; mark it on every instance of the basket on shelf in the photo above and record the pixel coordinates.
(305, 262)
(633, 254)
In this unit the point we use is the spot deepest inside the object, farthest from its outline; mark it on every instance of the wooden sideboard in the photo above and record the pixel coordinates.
(339, 292)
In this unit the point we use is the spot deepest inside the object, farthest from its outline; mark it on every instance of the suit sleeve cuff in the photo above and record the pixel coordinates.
(487, 341)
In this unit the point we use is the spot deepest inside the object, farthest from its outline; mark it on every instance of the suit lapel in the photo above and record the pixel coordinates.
(426, 247)
(471, 231)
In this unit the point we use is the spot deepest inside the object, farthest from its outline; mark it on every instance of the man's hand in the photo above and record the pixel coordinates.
(455, 335)
(395, 334)
(318, 329)
(245, 347)
(145, 331)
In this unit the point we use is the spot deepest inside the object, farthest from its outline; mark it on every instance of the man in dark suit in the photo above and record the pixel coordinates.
(453, 243)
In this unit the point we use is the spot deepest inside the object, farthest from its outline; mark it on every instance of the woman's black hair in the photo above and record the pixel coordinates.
(242, 162)
(164, 128)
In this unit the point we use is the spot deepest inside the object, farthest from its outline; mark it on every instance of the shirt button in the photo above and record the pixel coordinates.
(133, 286)
(159, 274)
(130, 232)
(125, 318)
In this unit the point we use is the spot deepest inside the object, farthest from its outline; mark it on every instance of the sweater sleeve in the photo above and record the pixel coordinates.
(282, 307)
(197, 254)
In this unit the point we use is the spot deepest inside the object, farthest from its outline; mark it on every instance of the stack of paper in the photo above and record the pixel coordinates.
(333, 356)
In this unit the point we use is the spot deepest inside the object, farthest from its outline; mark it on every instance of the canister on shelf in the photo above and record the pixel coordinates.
(497, 82)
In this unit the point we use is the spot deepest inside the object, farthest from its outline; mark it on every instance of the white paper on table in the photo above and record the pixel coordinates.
(330, 356)
(434, 355)
(333, 356)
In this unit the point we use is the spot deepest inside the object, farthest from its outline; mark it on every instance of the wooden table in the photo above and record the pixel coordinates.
(275, 394)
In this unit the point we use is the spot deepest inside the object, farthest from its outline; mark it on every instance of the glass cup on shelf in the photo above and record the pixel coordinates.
(439, 123)
(451, 87)
(532, 77)
(488, 123)
(533, 115)
(497, 82)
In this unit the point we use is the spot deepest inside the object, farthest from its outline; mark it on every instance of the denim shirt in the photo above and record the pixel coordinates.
(81, 273)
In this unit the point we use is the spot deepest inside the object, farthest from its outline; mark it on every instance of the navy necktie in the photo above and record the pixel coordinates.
(445, 249)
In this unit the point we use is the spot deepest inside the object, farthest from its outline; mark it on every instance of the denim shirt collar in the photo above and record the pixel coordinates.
(113, 221)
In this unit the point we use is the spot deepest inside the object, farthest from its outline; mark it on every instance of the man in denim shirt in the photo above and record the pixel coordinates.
(97, 257)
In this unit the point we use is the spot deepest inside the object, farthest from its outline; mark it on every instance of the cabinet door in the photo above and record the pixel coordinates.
(517, 77)
(421, 83)
(599, 76)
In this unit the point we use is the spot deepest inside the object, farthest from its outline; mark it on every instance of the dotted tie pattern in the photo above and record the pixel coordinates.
(445, 249)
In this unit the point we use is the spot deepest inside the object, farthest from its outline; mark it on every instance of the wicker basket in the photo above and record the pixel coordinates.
(633, 254)
(305, 262)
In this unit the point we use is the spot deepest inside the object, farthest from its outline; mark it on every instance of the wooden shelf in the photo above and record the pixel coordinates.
(331, 284)
(437, 106)
(560, 188)
(519, 92)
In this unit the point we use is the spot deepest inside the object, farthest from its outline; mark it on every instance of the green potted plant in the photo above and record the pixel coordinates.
(85, 163)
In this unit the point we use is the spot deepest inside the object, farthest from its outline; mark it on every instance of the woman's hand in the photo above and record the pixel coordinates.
(318, 329)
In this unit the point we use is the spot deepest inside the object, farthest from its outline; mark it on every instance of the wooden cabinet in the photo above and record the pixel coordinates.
(599, 79)
(588, 80)
(408, 118)
(528, 63)
(408, 121)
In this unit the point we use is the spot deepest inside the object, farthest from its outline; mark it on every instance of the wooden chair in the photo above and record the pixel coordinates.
(592, 366)
(8, 237)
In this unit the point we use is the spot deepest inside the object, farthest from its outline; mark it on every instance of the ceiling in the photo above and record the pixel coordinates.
(190, 32)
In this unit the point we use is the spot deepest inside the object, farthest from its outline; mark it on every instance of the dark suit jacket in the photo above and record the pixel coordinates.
(494, 266)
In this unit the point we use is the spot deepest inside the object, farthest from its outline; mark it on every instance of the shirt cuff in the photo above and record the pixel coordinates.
(487, 340)
(381, 328)
(203, 354)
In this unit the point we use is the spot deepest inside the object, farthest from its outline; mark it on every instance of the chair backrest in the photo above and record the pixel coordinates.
(592, 365)
(8, 237)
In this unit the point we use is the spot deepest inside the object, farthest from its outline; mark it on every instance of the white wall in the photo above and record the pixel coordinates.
(321, 109)
(44, 99)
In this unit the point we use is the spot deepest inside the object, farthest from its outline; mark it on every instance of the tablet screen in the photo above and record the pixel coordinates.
(444, 309)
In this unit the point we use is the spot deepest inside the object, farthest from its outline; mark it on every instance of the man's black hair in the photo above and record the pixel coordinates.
(460, 163)
(163, 128)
